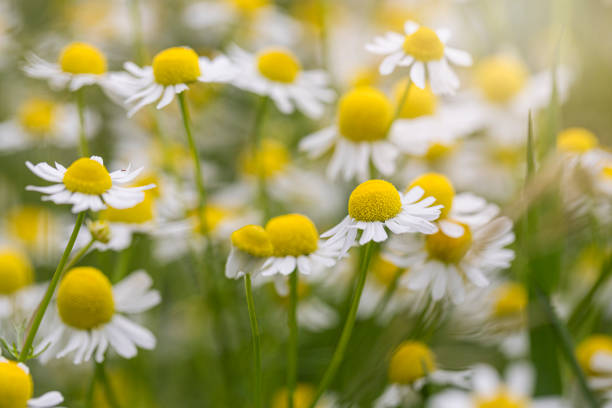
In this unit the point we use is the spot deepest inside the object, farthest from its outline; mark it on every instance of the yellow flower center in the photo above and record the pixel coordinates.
(438, 186)
(269, 160)
(85, 298)
(29, 224)
(176, 65)
(292, 235)
(424, 45)
(139, 214)
(438, 151)
(278, 64)
(15, 271)
(249, 6)
(302, 397)
(213, 215)
(364, 77)
(364, 115)
(87, 176)
(501, 78)
(411, 361)
(606, 172)
(82, 58)
(16, 386)
(598, 343)
(510, 300)
(374, 200)
(384, 271)
(419, 102)
(502, 399)
(253, 240)
(447, 249)
(37, 116)
(576, 140)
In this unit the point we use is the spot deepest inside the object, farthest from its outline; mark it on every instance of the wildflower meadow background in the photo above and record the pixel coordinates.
(305, 203)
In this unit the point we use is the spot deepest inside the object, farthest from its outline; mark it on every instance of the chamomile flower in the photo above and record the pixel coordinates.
(17, 388)
(79, 64)
(251, 246)
(360, 136)
(16, 277)
(277, 73)
(425, 52)
(302, 398)
(90, 316)
(413, 365)
(171, 73)
(375, 206)
(595, 357)
(87, 185)
(579, 146)
(490, 391)
(34, 228)
(296, 244)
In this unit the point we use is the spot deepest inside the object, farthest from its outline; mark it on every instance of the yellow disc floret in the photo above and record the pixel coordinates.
(16, 386)
(384, 270)
(592, 345)
(37, 115)
(501, 78)
(82, 58)
(85, 298)
(501, 399)
(249, 6)
(424, 45)
(448, 249)
(269, 160)
(302, 397)
(411, 361)
(419, 102)
(510, 300)
(438, 186)
(364, 115)
(374, 200)
(15, 271)
(213, 216)
(292, 235)
(437, 151)
(576, 140)
(87, 176)
(30, 224)
(253, 240)
(139, 214)
(279, 65)
(176, 65)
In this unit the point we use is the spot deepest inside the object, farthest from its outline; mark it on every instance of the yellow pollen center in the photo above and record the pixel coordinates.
(85, 298)
(374, 200)
(176, 65)
(29, 224)
(37, 116)
(438, 151)
(364, 77)
(15, 271)
(213, 215)
(438, 186)
(502, 399)
(302, 397)
(269, 160)
(447, 249)
(384, 271)
(411, 361)
(419, 102)
(501, 78)
(292, 235)
(364, 115)
(87, 176)
(606, 172)
(424, 45)
(82, 58)
(249, 6)
(598, 343)
(576, 140)
(16, 386)
(139, 214)
(253, 240)
(510, 300)
(278, 64)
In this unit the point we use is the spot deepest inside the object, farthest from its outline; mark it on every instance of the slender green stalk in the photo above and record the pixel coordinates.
(91, 388)
(581, 310)
(264, 200)
(84, 148)
(389, 292)
(40, 312)
(111, 398)
(123, 263)
(293, 338)
(256, 340)
(78, 255)
(138, 42)
(401, 103)
(338, 356)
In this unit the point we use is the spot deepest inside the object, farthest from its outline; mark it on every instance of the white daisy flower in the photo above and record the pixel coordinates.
(359, 137)
(277, 73)
(425, 52)
(87, 185)
(580, 146)
(489, 391)
(171, 72)
(91, 316)
(251, 247)
(79, 64)
(297, 246)
(16, 290)
(376, 205)
(595, 357)
(17, 388)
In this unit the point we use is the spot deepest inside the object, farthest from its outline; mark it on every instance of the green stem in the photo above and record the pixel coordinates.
(261, 176)
(293, 337)
(401, 103)
(139, 48)
(581, 310)
(91, 388)
(111, 398)
(40, 313)
(389, 292)
(84, 148)
(78, 255)
(256, 339)
(348, 326)
(123, 263)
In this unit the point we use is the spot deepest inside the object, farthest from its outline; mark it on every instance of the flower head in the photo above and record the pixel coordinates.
(411, 361)
(251, 246)
(17, 388)
(15, 271)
